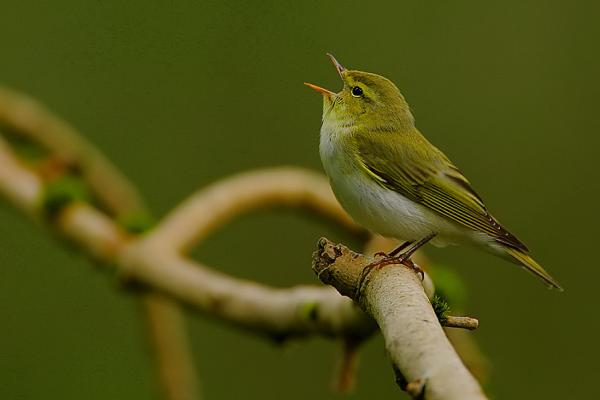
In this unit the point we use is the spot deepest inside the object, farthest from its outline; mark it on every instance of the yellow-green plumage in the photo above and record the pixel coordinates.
(394, 182)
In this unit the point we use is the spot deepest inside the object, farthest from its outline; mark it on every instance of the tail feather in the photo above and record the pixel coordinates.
(533, 267)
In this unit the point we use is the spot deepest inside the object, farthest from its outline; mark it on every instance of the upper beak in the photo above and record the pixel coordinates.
(340, 69)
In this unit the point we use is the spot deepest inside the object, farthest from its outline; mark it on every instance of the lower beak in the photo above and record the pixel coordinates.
(319, 89)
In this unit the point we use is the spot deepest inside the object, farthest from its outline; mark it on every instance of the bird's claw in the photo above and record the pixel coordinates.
(411, 264)
(403, 259)
(386, 260)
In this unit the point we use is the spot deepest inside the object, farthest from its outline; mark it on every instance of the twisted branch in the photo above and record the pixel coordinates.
(212, 207)
(274, 312)
(25, 116)
(158, 260)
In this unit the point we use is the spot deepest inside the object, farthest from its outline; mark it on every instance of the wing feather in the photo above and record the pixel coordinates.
(430, 179)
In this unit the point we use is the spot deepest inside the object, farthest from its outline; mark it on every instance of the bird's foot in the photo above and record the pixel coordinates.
(413, 265)
(393, 258)
(386, 259)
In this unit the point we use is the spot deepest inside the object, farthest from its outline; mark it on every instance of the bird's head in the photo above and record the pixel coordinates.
(365, 100)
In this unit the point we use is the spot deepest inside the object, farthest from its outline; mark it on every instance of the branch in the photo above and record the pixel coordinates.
(158, 260)
(461, 322)
(170, 342)
(274, 312)
(212, 207)
(464, 343)
(427, 365)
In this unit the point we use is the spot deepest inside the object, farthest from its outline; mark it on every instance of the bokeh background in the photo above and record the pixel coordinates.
(182, 93)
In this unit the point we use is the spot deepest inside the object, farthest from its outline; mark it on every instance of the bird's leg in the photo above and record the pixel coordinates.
(403, 258)
(395, 251)
(414, 247)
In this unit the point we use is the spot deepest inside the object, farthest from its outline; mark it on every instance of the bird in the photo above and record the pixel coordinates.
(394, 182)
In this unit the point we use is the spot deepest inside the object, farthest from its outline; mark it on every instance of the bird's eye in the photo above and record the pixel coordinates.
(357, 91)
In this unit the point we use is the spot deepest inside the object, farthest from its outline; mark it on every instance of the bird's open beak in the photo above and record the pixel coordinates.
(340, 69)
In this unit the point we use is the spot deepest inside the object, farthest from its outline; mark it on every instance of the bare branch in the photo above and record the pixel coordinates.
(170, 342)
(464, 343)
(428, 366)
(20, 186)
(347, 366)
(461, 322)
(212, 207)
(279, 313)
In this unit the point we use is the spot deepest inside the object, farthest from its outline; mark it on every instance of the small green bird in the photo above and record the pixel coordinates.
(392, 181)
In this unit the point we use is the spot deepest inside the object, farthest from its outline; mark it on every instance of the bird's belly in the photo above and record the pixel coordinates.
(381, 210)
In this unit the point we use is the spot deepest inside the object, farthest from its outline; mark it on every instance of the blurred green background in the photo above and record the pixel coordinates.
(182, 93)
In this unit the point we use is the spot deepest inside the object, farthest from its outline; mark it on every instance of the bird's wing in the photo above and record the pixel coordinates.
(427, 177)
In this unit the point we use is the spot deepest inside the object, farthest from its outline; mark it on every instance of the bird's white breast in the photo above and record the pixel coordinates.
(376, 208)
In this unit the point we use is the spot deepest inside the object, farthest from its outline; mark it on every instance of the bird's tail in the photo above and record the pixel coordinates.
(533, 267)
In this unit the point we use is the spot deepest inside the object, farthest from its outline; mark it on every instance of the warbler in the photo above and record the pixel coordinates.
(394, 182)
